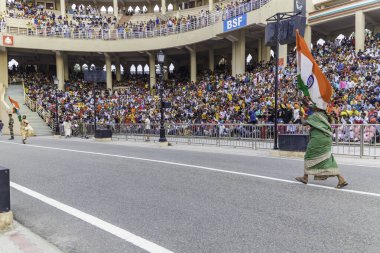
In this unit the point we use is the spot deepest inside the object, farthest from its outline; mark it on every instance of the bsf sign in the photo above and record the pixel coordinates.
(7, 40)
(235, 23)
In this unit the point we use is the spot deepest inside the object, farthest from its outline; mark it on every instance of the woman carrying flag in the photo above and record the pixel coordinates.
(318, 158)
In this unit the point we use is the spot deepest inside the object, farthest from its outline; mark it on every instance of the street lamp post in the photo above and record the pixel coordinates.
(56, 125)
(160, 60)
(278, 17)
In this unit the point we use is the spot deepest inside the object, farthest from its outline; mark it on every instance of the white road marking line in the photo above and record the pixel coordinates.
(112, 229)
(203, 168)
(253, 155)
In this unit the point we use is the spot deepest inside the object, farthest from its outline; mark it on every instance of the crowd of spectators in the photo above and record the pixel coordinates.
(88, 22)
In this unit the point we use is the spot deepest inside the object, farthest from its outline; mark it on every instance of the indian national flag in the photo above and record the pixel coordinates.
(311, 80)
(14, 103)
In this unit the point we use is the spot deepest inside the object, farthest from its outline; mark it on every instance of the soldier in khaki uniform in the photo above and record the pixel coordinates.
(25, 129)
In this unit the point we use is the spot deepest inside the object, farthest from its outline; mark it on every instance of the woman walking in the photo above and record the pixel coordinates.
(318, 158)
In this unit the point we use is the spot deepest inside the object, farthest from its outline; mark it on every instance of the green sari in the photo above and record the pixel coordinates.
(318, 158)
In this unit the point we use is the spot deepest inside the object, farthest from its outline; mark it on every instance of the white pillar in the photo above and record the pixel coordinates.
(193, 65)
(3, 68)
(238, 54)
(66, 67)
(211, 60)
(241, 60)
(308, 35)
(260, 51)
(163, 6)
(359, 30)
(60, 70)
(211, 5)
(63, 8)
(108, 71)
(152, 71)
(265, 51)
(115, 8)
(118, 69)
(283, 55)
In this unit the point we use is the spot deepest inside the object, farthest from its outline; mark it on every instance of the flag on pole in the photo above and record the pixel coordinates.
(14, 103)
(311, 81)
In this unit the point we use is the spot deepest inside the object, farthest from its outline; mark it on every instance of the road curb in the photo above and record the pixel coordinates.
(6, 220)
(19, 239)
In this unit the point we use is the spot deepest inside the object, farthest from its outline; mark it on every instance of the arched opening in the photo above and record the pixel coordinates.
(146, 69)
(156, 9)
(249, 58)
(321, 42)
(170, 7)
(132, 70)
(113, 68)
(85, 67)
(271, 53)
(171, 68)
(92, 67)
(110, 10)
(137, 10)
(121, 69)
(12, 64)
(77, 68)
(145, 10)
(103, 9)
(222, 61)
(130, 9)
(73, 7)
(139, 69)
(81, 7)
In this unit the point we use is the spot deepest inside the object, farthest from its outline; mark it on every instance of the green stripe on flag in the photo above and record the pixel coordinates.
(302, 86)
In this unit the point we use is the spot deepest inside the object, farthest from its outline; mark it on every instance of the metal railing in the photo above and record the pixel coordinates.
(354, 140)
(134, 33)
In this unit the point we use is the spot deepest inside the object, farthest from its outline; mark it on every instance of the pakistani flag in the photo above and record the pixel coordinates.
(311, 81)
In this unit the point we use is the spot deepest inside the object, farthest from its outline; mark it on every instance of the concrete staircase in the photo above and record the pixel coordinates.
(16, 92)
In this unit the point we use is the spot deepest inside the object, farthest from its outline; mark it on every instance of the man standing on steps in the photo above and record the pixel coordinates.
(10, 126)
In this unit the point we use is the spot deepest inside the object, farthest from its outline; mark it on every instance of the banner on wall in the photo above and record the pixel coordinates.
(8, 40)
(235, 23)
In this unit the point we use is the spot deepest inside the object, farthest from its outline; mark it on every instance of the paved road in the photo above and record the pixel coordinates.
(192, 204)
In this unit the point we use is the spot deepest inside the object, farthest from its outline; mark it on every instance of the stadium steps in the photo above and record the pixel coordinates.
(16, 92)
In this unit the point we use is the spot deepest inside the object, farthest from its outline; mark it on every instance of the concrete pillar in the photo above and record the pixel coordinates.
(359, 30)
(115, 8)
(260, 51)
(307, 36)
(265, 51)
(108, 71)
(233, 59)
(211, 60)
(3, 68)
(238, 53)
(66, 67)
(163, 6)
(60, 70)
(283, 55)
(63, 8)
(193, 65)
(211, 5)
(152, 71)
(118, 69)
